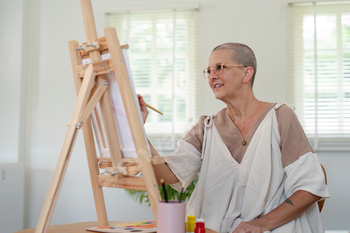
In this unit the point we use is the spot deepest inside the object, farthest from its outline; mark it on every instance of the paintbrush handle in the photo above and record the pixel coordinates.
(164, 190)
(154, 109)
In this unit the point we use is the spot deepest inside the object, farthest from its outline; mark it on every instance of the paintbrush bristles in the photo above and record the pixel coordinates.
(182, 190)
(164, 190)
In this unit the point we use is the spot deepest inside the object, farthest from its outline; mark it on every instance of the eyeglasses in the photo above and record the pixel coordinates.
(218, 68)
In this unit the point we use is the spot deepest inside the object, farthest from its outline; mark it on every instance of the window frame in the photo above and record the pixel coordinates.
(320, 142)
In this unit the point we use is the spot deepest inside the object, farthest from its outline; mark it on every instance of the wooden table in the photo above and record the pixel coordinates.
(70, 227)
(78, 227)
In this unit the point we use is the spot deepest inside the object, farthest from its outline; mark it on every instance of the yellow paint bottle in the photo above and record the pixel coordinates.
(190, 223)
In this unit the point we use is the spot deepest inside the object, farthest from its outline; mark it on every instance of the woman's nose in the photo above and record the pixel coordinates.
(213, 75)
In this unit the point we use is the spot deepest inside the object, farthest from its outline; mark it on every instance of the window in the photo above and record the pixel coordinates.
(162, 57)
(320, 70)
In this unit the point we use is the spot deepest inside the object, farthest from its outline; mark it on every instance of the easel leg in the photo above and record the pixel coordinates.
(62, 163)
(56, 183)
(94, 171)
(89, 143)
(135, 124)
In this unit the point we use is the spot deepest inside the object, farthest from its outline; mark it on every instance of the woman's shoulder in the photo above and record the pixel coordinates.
(283, 107)
(196, 134)
(219, 116)
(285, 113)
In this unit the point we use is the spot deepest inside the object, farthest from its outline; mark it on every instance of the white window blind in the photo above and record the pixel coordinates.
(164, 65)
(319, 36)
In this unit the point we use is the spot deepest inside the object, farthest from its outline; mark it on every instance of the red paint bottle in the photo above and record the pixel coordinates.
(200, 227)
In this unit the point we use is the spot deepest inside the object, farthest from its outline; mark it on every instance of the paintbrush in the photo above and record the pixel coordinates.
(182, 190)
(154, 109)
(164, 190)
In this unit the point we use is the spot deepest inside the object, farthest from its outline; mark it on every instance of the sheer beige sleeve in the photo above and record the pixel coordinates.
(196, 134)
(294, 142)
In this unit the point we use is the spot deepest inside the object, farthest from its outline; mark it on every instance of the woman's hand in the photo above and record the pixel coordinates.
(254, 226)
(207, 230)
(143, 107)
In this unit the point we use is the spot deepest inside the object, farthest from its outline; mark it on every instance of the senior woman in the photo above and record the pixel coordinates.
(257, 171)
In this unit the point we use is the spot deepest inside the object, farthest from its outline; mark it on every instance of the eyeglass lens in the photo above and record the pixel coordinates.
(217, 69)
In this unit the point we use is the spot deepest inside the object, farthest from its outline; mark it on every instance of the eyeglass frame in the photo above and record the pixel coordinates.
(219, 64)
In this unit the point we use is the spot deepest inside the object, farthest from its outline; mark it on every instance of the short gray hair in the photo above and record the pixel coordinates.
(241, 54)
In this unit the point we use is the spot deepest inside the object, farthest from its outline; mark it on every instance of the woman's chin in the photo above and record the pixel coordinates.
(219, 97)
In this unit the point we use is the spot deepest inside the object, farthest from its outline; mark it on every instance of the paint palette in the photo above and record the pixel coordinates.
(137, 227)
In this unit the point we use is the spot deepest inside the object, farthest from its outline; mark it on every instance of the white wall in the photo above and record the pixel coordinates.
(10, 78)
(11, 197)
(47, 96)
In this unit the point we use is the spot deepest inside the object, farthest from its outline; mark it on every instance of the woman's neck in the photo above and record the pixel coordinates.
(245, 114)
(243, 108)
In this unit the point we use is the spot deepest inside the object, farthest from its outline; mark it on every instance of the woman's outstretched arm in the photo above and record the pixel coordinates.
(161, 170)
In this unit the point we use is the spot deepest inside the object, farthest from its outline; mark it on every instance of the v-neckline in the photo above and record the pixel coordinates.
(256, 124)
(231, 136)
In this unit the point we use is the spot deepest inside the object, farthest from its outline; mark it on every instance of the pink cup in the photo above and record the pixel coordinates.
(171, 217)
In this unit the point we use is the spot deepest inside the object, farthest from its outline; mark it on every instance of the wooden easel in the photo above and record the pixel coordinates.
(92, 87)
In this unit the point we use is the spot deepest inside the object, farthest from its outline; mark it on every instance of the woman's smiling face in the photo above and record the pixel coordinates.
(226, 84)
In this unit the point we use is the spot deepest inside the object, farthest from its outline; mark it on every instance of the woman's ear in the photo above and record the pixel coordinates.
(248, 74)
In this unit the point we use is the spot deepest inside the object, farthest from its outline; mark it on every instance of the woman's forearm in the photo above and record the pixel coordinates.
(289, 210)
(161, 170)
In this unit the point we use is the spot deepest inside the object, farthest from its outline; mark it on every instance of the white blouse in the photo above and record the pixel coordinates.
(229, 192)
